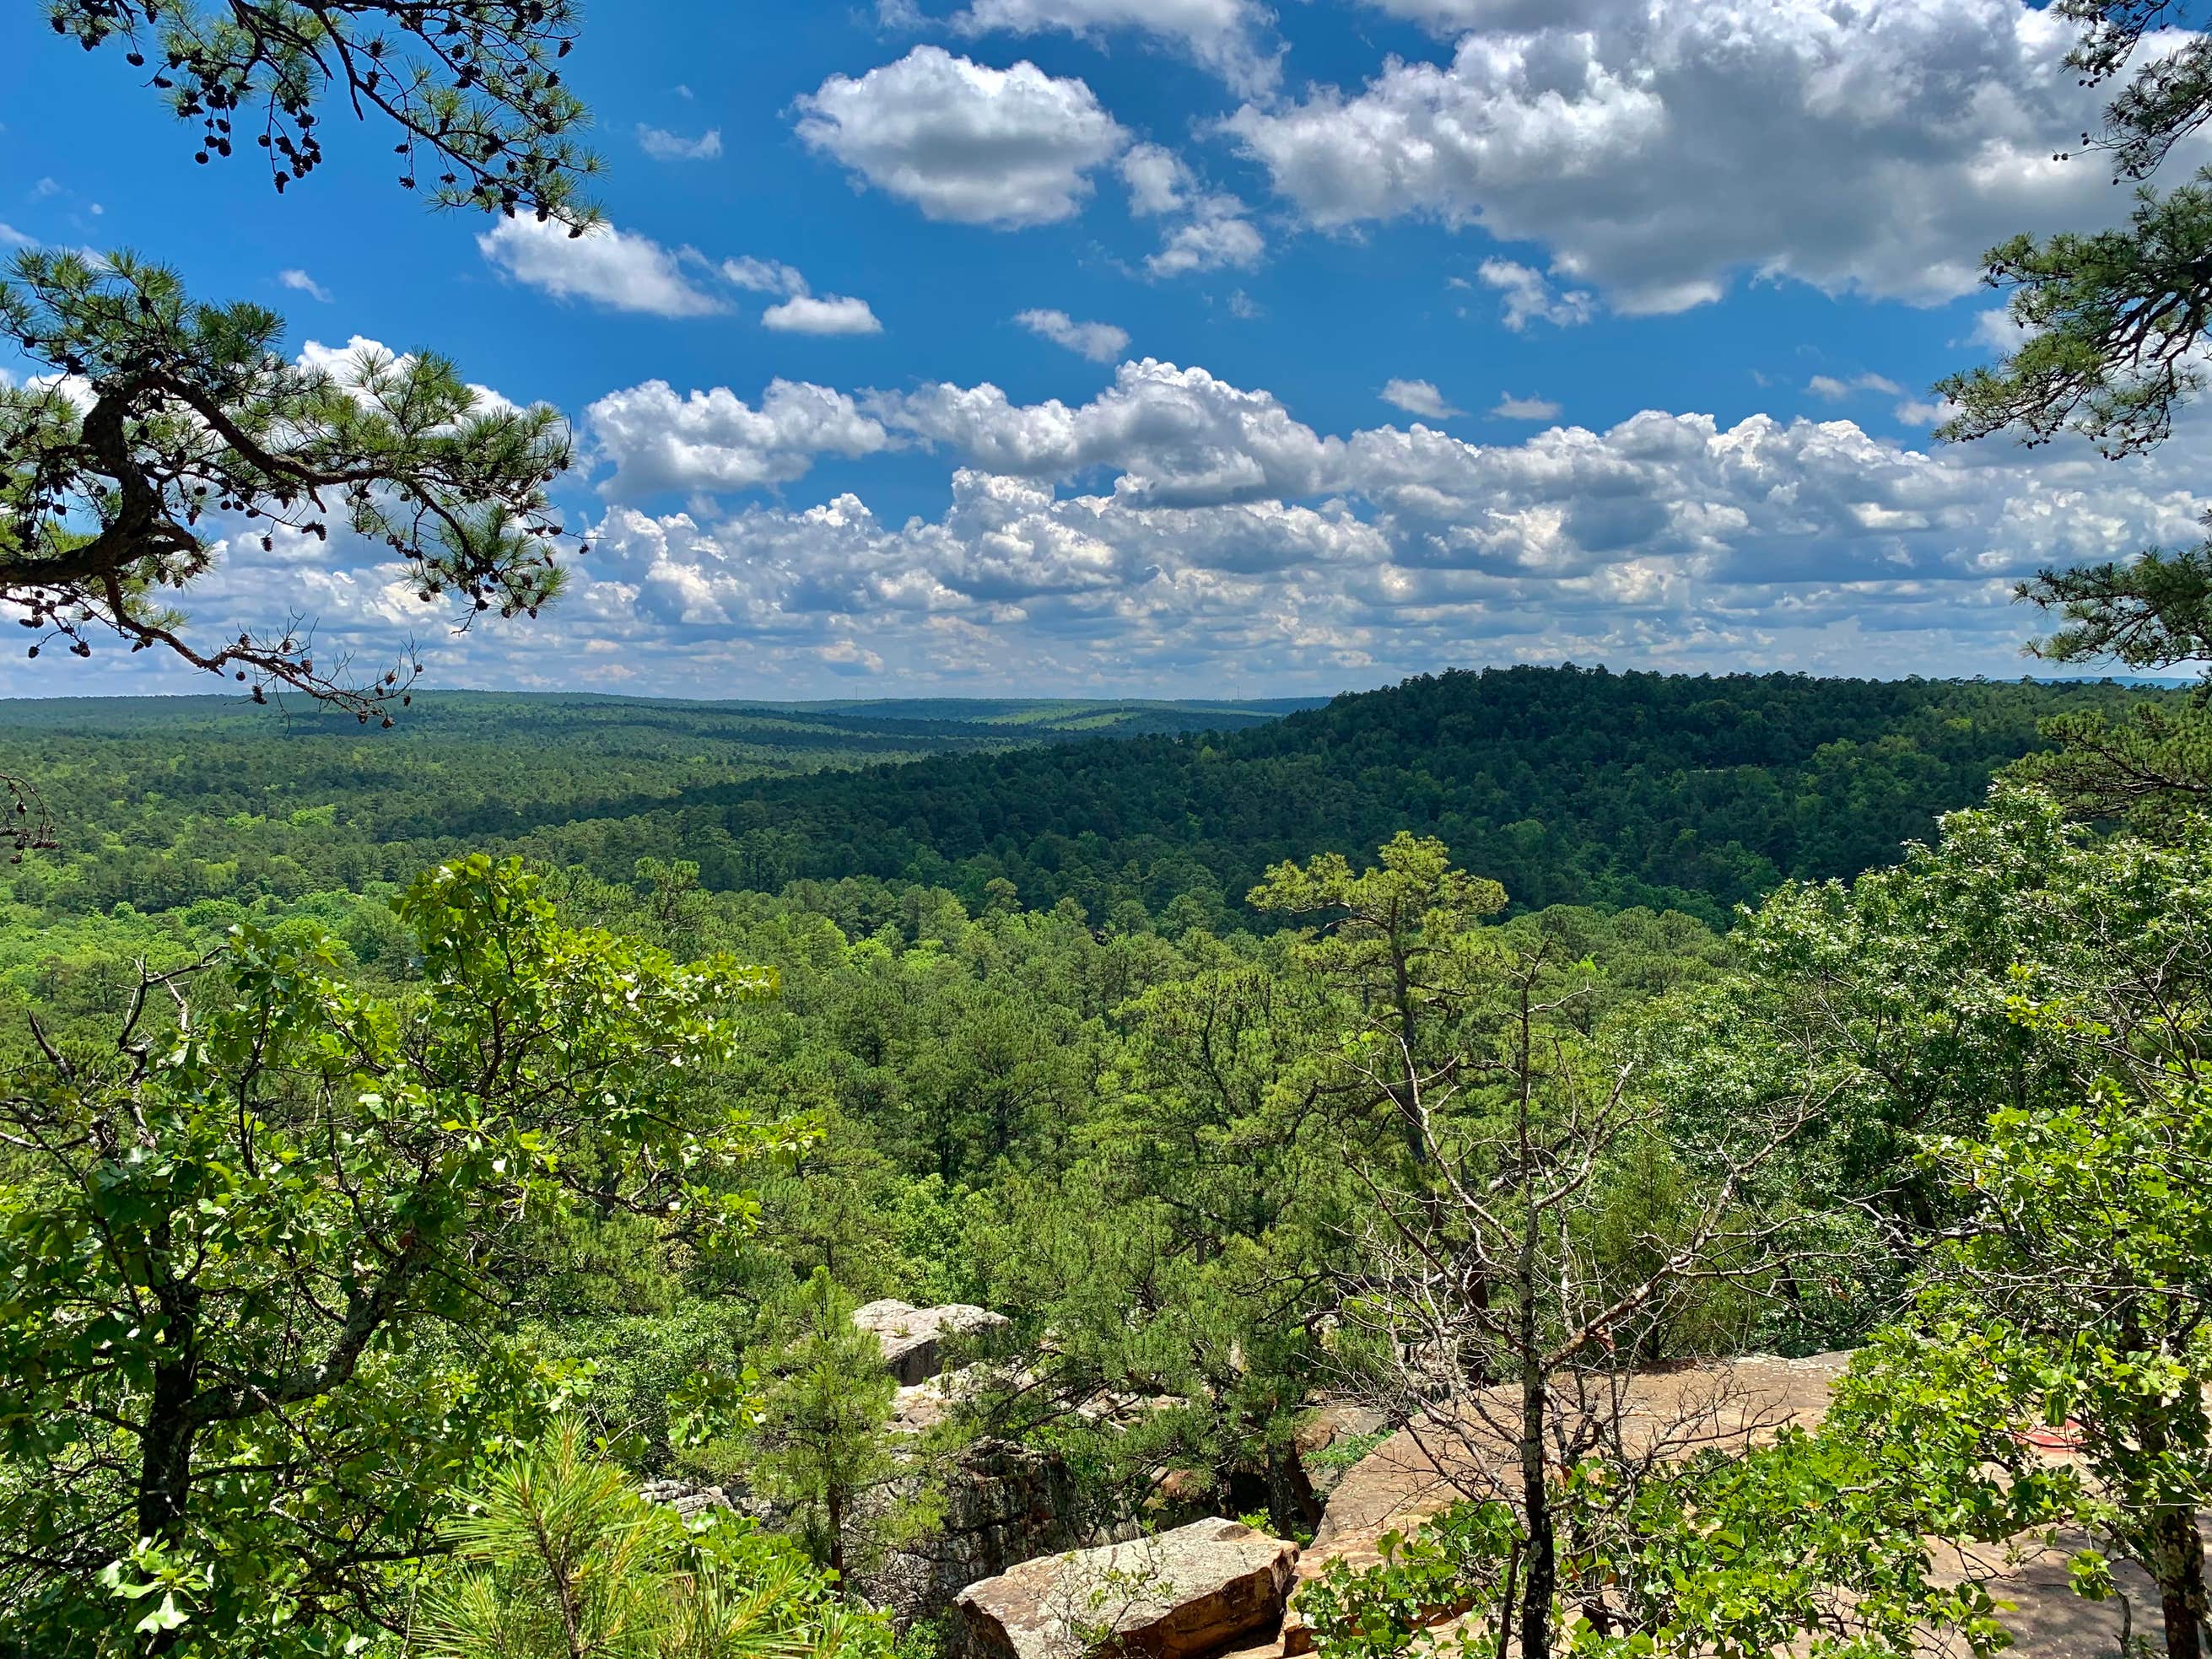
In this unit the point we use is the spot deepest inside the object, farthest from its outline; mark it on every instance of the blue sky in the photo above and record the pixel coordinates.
(1185, 347)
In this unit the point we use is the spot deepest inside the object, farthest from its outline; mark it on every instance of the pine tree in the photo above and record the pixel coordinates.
(2113, 322)
(823, 1442)
(166, 426)
(171, 425)
(557, 1556)
(474, 88)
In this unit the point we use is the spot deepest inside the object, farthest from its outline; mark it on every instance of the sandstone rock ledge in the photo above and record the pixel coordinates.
(913, 1339)
(1189, 1594)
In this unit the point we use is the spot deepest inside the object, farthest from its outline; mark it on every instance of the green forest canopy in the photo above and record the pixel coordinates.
(1035, 1042)
(1569, 786)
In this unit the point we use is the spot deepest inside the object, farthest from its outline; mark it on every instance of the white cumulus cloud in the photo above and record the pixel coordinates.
(300, 282)
(764, 275)
(1209, 242)
(665, 146)
(1455, 17)
(1227, 36)
(1996, 332)
(964, 141)
(1528, 296)
(1206, 229)
(1922, 411)
(715, 441)
(1158, 181)
(848, 657)
(826, 313)
(1100, 342)
(1176, 436)
(803, 311)
(1658, 152)
(1418, 397)
(344, 364)
(1232, 537)
(1510, 408)
(1831, 389)
(1177, 527)
(620, 269)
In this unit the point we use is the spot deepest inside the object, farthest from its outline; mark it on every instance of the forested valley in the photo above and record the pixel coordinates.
(415, 1159)
(1570, 786)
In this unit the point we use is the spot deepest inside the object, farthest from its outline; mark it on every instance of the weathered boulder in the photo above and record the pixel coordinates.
(1333, 1439)
(918, 1407)
(1189, 1594)
(913, 1338)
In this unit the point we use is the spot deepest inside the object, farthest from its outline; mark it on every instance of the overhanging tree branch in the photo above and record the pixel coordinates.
(474, 88)
(170, 431)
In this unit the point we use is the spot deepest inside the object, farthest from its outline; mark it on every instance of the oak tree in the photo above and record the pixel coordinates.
(256, 1258)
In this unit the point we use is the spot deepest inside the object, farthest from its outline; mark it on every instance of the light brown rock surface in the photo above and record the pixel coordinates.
(1189, 1594)
(913, 1338)
(1412, 1476)
(1419, 1471)
(2047, 1619)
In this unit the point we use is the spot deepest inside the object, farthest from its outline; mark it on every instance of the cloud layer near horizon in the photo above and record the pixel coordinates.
(1180, 533)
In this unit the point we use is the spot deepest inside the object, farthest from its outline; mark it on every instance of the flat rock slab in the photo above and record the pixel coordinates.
(1731, 1404)
(913, 1338)
(1189, 1594)
(1413, 1474)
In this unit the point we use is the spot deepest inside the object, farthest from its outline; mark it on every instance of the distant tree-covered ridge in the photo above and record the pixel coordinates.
(1567, 786)
(161, 802)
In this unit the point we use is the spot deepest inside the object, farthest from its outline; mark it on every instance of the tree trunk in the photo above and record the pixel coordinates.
(1542, 1581)
(2175, 1555)
(164, 1444)
(1505, 1599)
(1291, 1506)
(1405, 1095)
(2178, 1556)
(836, 1508)
(165, 1452)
